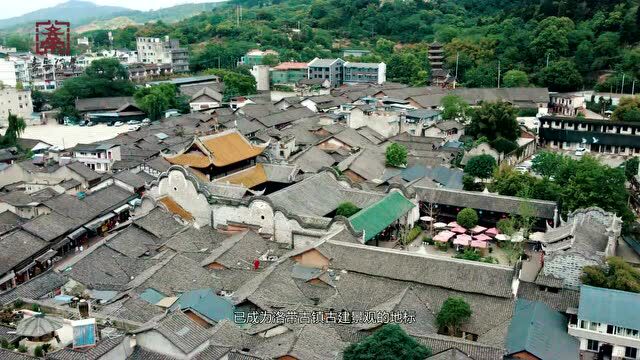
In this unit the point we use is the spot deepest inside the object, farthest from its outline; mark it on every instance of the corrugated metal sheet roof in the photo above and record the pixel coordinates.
(540, 331)
(375, 218)
(607, 306)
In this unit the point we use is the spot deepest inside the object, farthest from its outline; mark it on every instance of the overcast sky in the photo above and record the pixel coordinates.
(17, 8)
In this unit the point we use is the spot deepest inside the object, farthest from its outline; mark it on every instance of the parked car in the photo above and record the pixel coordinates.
(580, 151)
(521, 169)
(134, 127)
(118, 123)
(91, 123)
(146, 122)
(133, 122)
(110, 123)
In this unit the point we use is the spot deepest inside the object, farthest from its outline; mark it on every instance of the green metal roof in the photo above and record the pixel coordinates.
(152, 296)
(379, 215)
(540, 331)
(206, 303)
(607, 306)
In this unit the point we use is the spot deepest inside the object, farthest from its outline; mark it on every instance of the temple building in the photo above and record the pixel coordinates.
(218, 155)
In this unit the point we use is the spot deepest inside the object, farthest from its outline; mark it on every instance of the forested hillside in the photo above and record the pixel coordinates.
(565, 44)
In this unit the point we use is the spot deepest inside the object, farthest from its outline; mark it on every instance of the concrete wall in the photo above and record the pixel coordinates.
(385, 123)
(152, 340)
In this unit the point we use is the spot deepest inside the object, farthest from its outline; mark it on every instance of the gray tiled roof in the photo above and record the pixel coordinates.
(14, 355)
(18, 246)
(8, 334)
(181, 331)
(50, 226)
(9, 221)
(159, 223)
(84, 171)
(134, 242)
(143, 354)
(103, 103)
(485, 201)
(368, 163)
(196, 243)
(451, 354)
(284, 117)
(560, 301)
(130, 178)
(177, 275)
(240, 250)
(460, 275)
(312, 160)
(132, 308)
(319, 195)
(106, 269)
(94, 353)
(34, 288)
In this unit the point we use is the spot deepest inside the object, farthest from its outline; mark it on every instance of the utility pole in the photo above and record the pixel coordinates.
(455, 80)
(548, 59)
(498, 74)
(633, 87)
(622, 89)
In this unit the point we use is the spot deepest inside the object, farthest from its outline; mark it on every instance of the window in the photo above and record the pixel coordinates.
(609, 329)
(593, 326)
(630, 352)
(592, 345)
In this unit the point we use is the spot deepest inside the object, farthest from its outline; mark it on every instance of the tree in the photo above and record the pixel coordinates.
(108, 69)
(507, 181)
(495, 120)
(396, 155)
(14, 130)
(155, 100)
(388, 343)
(270, 59)
(235, 83)
(38, 99)
(561, 76)
(515, 78)
(503, 146)
(453, 313)
(628, 109)
(37, 351)
(481, 166)
(454, 108)
(467, 218)
(631, 167)
(347, 209)
(616, 274)
(506, 226)
(547, 163)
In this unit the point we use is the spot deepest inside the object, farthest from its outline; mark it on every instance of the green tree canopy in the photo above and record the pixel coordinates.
(616, 274)
(396, 155)
(454, 108)
(388, 343)
(155, 100)
(454, 312)
(14, 130)
(347, 209)
(481, 166)
(561, 76)
(547, 163)
(628, 109)
(631, 167)
(467, 218)
(235, 82)
(494, 120)
(515, 78)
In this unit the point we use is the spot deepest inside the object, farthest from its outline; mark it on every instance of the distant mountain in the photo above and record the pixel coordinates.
(76, 11)
(85, 15)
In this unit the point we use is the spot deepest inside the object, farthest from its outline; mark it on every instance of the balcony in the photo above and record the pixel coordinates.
(619, 340)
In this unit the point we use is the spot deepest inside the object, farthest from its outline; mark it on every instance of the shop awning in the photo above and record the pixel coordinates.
(26, 268)
(46, 256)
(7, 277)
(122, 208)
(95, 224)
(381, 214)
(77, 234)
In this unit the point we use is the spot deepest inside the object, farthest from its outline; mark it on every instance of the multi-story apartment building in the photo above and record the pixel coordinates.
(599, 136)
(365, 73)
(255, 56)
(7, 72)
(328, 69)
(99, 157)
(607, 324)
(168, 51)
(16, 102)
(289, 73)
(566, 104)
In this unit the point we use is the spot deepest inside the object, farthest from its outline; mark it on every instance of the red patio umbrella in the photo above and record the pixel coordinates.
(459, 230)
(482, 237)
